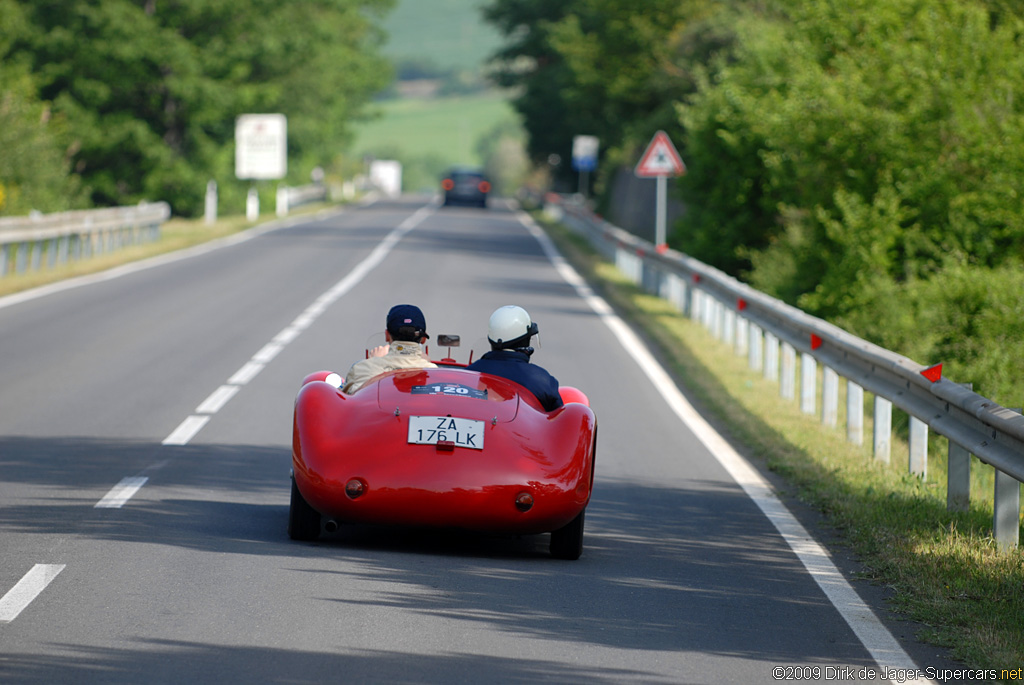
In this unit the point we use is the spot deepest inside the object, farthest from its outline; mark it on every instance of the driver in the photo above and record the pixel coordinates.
(406, 332)
(509, 331)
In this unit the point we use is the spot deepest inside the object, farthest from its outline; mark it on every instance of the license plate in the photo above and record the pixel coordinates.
(431, 430)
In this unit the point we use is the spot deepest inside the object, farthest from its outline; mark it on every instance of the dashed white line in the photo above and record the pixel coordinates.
(186, 430)
(246, 373)
(121, 493)
(287, 335)
(217, 399)
(26, 590)
(267, 353)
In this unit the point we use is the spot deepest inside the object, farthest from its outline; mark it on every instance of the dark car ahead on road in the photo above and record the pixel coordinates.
(465, 187)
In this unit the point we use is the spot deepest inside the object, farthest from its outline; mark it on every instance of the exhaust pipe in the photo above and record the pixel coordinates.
(331, 525)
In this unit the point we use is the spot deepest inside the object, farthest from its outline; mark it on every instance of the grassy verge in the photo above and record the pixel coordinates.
(175, 234)
(944, 568)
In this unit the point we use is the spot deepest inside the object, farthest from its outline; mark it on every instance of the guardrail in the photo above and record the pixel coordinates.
(45, 240)
(289, 197)
(771, 333)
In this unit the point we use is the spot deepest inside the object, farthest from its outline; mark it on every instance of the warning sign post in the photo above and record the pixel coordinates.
(660, 161)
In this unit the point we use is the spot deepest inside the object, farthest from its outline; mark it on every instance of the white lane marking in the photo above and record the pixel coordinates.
(186, 430)
(267, 353)
(287, 335)
(875, 637)
(26, 590)
(217, 399)
(121, 493)
(246, 373)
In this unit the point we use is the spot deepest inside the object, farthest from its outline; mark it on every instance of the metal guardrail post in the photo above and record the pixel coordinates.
(830, 397)
(958, 478)
(854, 413)
(787, 381)
(808, 383)
(1006, 508)
(771, 357)
(1006, 514)
(728, 326)
(918, 460)
(755, 357)
(883, 429)
(742, 336)
(958, 474)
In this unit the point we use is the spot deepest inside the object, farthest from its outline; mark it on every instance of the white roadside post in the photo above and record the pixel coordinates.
(210, 208)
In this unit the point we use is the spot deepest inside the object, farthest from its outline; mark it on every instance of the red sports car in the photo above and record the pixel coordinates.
(445, 447)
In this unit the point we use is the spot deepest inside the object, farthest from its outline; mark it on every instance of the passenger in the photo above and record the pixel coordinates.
(405, 333)
(509, 332)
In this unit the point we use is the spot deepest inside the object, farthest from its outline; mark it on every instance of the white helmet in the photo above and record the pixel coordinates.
(510, 326)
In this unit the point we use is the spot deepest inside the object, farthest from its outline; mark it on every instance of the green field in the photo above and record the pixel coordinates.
(429, 134)
(449, 34)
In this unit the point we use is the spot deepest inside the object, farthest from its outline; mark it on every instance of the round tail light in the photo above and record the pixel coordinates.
(355, 488)
(524, 501)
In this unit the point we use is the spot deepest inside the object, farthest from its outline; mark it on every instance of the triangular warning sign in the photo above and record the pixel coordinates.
(660, 159)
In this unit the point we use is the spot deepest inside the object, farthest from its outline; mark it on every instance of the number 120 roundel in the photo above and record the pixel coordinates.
(445, 447)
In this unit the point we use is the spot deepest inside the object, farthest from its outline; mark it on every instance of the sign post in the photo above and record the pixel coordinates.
(660, 160)
(584, 159)
(261, 152)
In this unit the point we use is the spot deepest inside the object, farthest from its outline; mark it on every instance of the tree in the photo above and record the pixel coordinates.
(614, 69)
(853, 137)
(151, 89)
(34, 170)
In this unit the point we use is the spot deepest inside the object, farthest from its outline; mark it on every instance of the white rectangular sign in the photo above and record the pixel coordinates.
(261, 146)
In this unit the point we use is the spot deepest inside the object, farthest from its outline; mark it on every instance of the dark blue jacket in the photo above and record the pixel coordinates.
(516, 366)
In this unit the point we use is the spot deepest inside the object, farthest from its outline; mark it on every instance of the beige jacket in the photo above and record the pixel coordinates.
(401, 355)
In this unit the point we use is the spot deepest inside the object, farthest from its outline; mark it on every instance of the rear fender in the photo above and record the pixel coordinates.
(577, 426)
(572, 395)
(329, 377)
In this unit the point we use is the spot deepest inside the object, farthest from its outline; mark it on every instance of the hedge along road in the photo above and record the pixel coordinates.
(145, 426)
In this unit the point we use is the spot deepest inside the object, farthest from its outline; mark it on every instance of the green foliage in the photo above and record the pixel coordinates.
(449, 35)
(504, 154)
(842, 105)
(971, 318)
(34, 171)
(150, 91)
(853, 158)
(858, 158)
(613, 69)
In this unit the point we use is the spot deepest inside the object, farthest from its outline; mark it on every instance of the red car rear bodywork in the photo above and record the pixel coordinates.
(353, 460)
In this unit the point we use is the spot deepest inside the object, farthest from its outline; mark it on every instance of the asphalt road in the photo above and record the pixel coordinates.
(164, 396)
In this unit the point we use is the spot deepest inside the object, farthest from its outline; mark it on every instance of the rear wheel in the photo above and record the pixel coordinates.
(303, 520)
(567, 541)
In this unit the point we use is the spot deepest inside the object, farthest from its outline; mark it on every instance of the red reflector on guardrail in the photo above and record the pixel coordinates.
(933, 373)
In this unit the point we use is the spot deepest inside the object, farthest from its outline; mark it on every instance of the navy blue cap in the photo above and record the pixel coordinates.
(406, 322)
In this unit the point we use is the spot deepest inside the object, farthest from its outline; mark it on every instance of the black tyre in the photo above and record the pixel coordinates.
(303, 520)
(567, 541)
